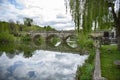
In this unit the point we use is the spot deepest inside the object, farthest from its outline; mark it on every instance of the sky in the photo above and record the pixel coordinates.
(43, 12)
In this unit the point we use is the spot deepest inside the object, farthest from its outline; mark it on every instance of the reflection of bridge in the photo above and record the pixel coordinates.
(46, 34)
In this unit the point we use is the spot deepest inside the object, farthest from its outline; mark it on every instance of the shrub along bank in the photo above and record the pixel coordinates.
(85, 72)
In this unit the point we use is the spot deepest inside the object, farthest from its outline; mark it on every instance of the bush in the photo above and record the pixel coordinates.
(88, 72)
(85, 72)
(84, 41)
(25, 38)
(6, 38)
(88, 43)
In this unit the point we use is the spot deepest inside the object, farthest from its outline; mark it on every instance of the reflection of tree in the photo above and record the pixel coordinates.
(9, 48)
(28, 54)
(27, 49)
(10, 56)
(1, 54)
(13, 49)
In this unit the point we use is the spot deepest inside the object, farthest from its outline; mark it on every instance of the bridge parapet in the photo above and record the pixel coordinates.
(45, 34)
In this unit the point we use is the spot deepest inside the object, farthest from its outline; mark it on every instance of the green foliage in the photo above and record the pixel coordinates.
(85, 72)
(8, 47)
(32, 28)
(13, 28)
(89, 43)
(27, 49)
(4, 27)
(53, 40)
(6, 38)
(9, 27)
(25, 37)
(81, 41)
(87, 75)
(87, 12)
(28, 21)
(84, 41)
(49, 28)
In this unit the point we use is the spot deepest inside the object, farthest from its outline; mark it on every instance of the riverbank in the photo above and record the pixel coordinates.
(86, 71)
(109, 54)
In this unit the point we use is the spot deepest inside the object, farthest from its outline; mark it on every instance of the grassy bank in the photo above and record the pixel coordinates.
(109, 54)
(85, 72)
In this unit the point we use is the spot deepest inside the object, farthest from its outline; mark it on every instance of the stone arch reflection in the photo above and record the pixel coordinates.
(53, 40)
(38, 40)
(71, 41)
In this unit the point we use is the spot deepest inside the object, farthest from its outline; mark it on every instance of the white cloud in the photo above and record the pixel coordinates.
(42, 12)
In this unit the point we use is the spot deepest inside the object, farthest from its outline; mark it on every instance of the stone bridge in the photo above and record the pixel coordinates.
(54, 38)
(46, 34)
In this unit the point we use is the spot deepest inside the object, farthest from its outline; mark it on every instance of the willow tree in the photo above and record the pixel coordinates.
(95, 14)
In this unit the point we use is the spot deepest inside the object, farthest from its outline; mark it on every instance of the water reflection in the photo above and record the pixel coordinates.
(57, 44)
(43, 65)
(72, 41)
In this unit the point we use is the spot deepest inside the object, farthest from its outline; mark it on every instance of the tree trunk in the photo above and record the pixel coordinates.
(118, 40)
(118, 33)
(117, 25)
(118, 29)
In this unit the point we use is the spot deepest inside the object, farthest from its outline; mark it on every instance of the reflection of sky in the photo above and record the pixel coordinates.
(71, 42)
(43, 65)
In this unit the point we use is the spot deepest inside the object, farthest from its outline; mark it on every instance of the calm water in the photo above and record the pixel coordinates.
(43, 65)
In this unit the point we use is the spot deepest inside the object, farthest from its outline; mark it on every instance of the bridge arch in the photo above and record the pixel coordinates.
(71, 41)
(38, 39)
(53, 40)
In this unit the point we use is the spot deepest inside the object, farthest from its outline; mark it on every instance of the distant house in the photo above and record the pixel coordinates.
(107, 36)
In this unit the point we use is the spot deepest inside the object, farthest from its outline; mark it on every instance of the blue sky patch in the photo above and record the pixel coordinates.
(16, 4)
(1, 1)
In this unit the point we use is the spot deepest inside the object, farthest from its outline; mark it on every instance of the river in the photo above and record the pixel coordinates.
(42, 65)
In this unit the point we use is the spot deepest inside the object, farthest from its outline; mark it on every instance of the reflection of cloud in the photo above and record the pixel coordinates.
(31, 74)
(13, 67)
(42, 65)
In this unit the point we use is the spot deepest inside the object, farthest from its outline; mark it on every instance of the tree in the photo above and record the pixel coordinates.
(87, 12)
(49, 28)
(20, 26)
(28, 21)
(116, 17)
(95, 13)
(12, 26)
